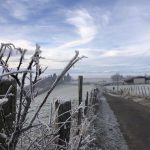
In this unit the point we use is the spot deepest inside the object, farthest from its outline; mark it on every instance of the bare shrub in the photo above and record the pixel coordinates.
(32, 75)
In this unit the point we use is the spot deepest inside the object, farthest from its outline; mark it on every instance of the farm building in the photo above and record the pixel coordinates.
(137, 80)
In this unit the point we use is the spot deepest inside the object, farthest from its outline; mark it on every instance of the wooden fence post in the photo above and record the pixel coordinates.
(64, 122)
(86, 103)
(56, 104)
(131, 90)
(148, 91)
(128, 91)
(9, 108)
(139, 91)
(50, 119)
(80, 88)
(145, 91)
(142, 91)
(136, 91)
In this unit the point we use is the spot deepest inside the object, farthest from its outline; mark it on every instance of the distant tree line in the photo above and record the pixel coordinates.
(52, 78)
(47, 82)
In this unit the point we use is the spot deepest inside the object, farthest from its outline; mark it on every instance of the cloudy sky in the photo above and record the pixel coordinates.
(113, 34)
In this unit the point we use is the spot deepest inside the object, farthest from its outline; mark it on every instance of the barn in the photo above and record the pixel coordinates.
(136, 80)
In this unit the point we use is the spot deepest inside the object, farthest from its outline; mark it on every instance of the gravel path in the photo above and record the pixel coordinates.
(134, 120)
(109, 136)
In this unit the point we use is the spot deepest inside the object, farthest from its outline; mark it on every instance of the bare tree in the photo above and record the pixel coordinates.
(116, 77)
(32, 75)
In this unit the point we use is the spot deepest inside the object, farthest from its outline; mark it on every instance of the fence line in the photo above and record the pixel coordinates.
(131, 90)
(67, 121)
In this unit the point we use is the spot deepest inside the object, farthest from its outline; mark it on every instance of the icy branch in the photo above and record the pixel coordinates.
(70, 64)
(16, 72)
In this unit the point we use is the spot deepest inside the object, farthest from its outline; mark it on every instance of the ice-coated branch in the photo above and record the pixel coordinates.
(15, 72)
(8, 91)
(32, 72)
(22, 57)
(69, 65)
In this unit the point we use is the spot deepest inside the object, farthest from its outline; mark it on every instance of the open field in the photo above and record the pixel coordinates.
(62, 92)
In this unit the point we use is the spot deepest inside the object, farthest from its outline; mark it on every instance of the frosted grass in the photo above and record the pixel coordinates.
(62, 92)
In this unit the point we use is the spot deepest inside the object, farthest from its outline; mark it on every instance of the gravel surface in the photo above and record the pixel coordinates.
(134, 120)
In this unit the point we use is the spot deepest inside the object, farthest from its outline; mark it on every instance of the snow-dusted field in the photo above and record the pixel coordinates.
(62, 92)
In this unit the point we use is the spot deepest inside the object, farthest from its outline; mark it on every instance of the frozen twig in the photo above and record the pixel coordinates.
(70, 64)
(16, 72)
(32, 72)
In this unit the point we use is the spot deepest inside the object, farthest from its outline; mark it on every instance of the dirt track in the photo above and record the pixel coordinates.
(134, 120)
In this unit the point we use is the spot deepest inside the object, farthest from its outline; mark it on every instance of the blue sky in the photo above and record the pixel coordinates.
(113, 34)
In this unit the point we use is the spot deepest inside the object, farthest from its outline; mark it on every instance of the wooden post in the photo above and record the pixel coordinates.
(139, 91)
(86, 104)
(94, 97)
(64, 122)
(142, 91)
(50, 119)
(125, 90)
(136, 91)
(130, 91)
(56, 104)
(148, 91)
(9, 108)
(95, 101)
(91, 98)
(80, 88)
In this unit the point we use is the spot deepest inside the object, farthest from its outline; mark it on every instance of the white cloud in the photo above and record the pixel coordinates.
(84, 27)
(19, 43)
(3, 19)
(133, 50)
(16, 9)
(84, 23)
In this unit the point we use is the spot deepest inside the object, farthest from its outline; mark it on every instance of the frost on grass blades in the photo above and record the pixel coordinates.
(32, 75)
